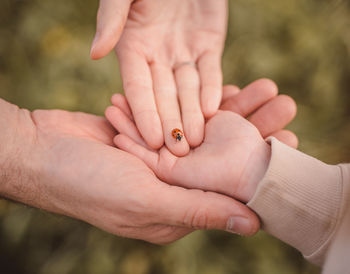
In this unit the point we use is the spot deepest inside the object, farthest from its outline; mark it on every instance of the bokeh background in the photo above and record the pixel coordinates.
(44, 63)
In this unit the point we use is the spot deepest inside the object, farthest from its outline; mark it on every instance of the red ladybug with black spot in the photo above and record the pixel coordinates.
(177, 134)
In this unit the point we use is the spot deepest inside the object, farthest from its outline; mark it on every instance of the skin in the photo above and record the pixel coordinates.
(170, 60)
(233, 157)
(64, 162)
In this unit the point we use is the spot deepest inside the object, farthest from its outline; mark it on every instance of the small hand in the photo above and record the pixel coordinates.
(170, 50)
(75, 171)
(233, 157)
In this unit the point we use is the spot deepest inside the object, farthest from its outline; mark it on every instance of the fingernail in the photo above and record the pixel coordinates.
(238, 225)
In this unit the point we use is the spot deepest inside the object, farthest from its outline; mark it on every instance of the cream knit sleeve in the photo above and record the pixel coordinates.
(301, 200)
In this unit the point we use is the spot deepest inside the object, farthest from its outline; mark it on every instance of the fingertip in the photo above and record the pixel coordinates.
(153, 137)
(122, 142)
(118, 100)
(210, 104)
(150, 128)
(109, 112)
(209, 111)
(103, 44)
(116, 140)
(177, 147)
(254, 226)
(246, 222)
(293, 141)
(287, 137)
(96, 52)
(194, 131)
(180, 150)
(93, 46)
(115, 99)
(267, 86)
(229, 91)
(231, 88)
(289, 105)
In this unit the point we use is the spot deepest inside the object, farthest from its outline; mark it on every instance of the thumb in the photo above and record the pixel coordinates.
(111, 18)
(205, 210)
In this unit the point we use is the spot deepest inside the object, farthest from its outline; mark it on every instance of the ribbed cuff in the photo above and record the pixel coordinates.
(338, 254)
(299, 200)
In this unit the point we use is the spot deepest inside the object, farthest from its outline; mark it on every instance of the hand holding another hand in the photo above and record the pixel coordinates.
(65, 163)
(233, 157)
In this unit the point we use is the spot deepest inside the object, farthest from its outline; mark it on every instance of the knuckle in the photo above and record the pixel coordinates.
(165, 90)
(197, 219)
(145, 112)
(193, 115)
(212, 86)
(188, 85)
(170, 120)
(136, 86)
(192, 110)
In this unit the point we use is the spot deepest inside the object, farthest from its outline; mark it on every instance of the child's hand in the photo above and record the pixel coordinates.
(233, 157)
(170, 62)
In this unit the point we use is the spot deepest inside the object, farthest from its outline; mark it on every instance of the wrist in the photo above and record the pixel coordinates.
(300, 200)
(17, 170)
(256, 169)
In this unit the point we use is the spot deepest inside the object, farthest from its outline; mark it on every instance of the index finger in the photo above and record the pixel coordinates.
(251, 97)
(137, 82)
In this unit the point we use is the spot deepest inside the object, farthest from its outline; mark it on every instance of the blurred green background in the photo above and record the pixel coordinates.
(44, 63)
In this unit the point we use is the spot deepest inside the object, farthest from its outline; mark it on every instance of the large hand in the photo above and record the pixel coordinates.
(74, 171)
(233, 157)
(169, 50)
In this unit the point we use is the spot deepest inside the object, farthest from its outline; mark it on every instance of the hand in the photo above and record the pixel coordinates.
(233, 157)
(169, 50)
(68, 166)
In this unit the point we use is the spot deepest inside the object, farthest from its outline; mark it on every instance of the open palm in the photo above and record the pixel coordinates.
(169, 49)
(75, 171)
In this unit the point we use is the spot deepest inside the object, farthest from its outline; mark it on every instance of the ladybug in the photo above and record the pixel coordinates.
(177, 134)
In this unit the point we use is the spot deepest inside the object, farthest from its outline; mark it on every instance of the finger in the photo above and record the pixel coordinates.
(168, 107)
(111, 18)
(119, 101)
(228, 92)
(209, 66)
(287, 137)
(274, 115)
(204, 210)
(188, 85)
(137, 81)
(251, 97)
(123, 124)
(127, 144)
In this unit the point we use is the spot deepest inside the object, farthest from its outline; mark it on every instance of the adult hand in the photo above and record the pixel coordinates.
(233, 156)
(63, 162)
(169, 50)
